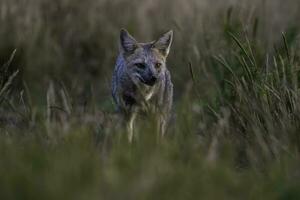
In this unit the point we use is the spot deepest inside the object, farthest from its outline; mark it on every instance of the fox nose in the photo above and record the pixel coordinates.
(153, 79)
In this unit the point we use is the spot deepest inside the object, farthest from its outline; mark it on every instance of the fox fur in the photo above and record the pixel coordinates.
(141, 81)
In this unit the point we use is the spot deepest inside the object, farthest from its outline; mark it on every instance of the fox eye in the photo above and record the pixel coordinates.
(140, 65)
(157, 65)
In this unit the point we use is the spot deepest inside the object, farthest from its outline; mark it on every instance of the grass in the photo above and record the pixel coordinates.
(235, 132)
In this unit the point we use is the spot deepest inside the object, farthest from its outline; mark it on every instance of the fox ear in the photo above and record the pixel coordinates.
(163, 44)
(127, 43)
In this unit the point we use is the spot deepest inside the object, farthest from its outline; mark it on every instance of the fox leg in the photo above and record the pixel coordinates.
(130, 127)
(161, 126)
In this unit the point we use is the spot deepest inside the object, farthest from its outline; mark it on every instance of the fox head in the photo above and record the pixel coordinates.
(145, 62)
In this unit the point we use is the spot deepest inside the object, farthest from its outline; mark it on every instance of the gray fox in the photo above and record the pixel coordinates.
(141, 81)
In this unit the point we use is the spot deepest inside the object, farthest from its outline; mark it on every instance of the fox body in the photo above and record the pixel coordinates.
(141, 81)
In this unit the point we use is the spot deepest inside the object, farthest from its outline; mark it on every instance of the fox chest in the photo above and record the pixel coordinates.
(139, 95)
(148, 92)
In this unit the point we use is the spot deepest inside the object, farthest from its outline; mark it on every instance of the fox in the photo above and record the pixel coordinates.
(141, 81)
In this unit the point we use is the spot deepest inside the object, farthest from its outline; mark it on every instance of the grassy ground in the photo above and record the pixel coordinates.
(235, 132)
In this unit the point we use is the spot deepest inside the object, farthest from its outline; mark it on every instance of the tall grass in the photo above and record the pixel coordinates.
(235, 129)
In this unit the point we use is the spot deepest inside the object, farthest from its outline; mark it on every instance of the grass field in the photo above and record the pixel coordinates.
(235, 133)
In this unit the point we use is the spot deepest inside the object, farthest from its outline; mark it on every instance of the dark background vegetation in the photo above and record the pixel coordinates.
(235, 133)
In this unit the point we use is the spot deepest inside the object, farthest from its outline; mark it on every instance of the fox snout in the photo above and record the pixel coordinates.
(152, 80)
(149, 80)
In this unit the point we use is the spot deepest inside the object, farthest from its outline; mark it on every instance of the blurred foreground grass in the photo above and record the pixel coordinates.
(235, 132)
